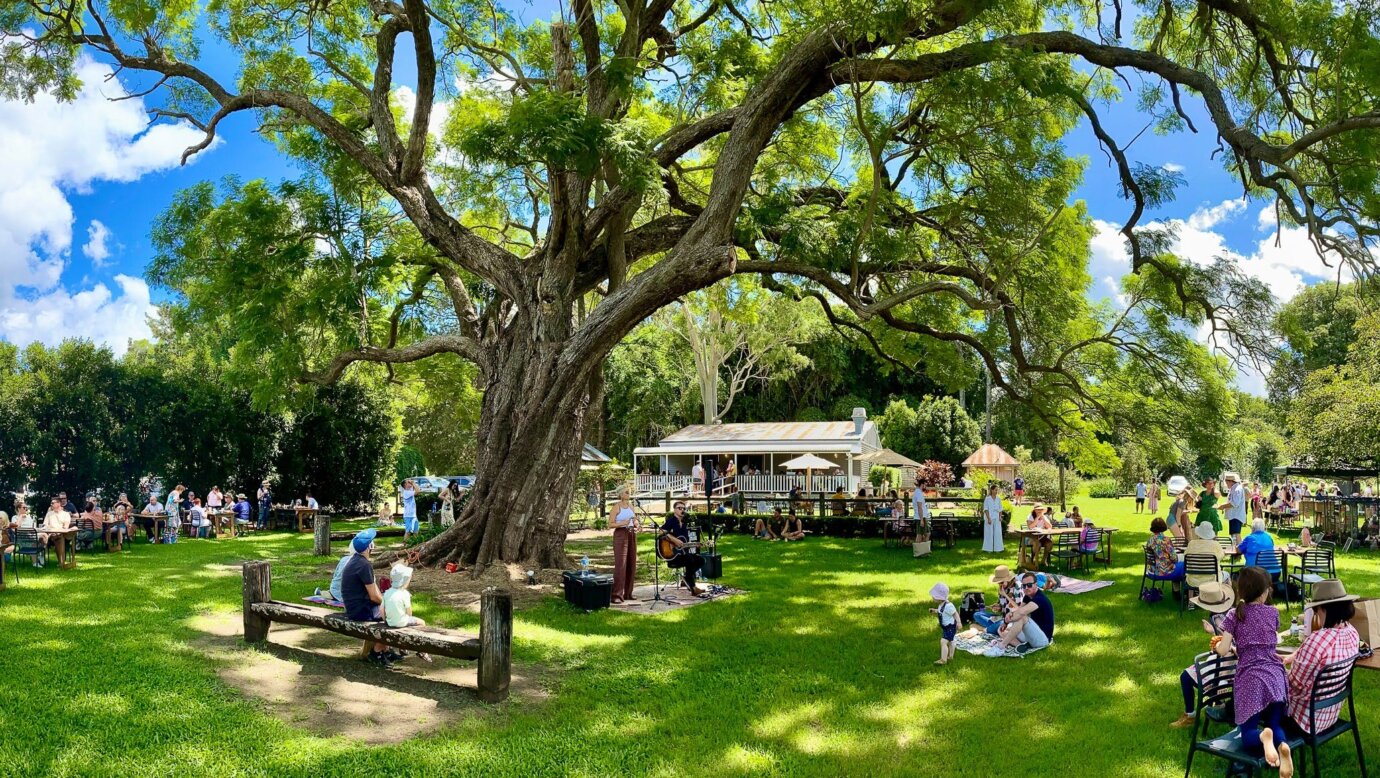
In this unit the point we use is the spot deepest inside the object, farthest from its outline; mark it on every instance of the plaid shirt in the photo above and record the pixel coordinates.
(1319, 649)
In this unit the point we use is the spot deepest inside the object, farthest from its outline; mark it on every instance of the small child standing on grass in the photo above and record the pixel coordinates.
(1251, 632)
(397, 603)
(948, 621)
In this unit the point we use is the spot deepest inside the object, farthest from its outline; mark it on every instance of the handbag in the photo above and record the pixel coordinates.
(921, 548)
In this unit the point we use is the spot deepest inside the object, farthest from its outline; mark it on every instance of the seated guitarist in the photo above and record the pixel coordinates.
(675, 530)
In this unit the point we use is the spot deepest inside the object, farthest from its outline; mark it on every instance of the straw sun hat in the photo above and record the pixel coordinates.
(1215, 597)
(1002, 574)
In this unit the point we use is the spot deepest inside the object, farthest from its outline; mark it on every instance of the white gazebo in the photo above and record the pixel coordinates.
(757, 452)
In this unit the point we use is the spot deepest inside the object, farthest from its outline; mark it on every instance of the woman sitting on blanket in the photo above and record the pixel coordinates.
(1008, 597)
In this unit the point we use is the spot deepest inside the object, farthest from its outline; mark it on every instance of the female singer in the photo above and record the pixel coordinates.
(624, 548)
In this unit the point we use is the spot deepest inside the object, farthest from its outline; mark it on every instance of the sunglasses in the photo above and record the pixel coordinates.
(680, 507)
(1032, 584)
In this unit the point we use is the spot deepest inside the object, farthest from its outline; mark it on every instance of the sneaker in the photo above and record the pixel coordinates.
(1184, 721)
(994, 650)
(378, 659)
(1023, 648)
(425, 657)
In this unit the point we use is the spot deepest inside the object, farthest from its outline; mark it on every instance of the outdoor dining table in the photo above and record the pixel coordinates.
(159, 519)
(1025, 532)
(223, 519)
(1031, 561)
(66, 546)
(302, 514)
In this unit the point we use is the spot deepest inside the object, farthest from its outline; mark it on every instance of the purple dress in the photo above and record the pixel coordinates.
(1260, 677)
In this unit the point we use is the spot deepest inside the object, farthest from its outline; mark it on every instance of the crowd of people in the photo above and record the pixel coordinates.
(160, 521)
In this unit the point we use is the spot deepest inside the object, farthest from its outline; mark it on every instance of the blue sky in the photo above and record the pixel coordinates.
(90, 178)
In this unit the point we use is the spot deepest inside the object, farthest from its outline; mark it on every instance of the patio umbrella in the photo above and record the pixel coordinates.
(888, 458)
(809, 463)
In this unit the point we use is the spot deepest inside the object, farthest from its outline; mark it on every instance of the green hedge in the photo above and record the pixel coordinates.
(1104, 487)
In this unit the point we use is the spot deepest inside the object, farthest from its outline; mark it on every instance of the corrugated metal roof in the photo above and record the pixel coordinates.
(990, 455)
(766, 431)
(592, 455)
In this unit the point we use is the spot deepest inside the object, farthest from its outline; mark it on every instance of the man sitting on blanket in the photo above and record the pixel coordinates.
(1030, 625)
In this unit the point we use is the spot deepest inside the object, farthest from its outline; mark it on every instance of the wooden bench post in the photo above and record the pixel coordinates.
(495, 644)
(322, 544)
(258, 587)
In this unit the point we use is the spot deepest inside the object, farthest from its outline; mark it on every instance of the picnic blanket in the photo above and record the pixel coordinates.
(1069, 585)
(325, 599)
(978, 642)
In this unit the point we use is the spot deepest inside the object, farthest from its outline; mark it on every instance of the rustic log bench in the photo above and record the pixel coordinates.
(383, 532)
(493, 647)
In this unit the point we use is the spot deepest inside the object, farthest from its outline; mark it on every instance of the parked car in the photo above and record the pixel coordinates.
(465, 481)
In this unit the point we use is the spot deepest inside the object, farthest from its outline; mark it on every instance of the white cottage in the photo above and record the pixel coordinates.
(759, 447)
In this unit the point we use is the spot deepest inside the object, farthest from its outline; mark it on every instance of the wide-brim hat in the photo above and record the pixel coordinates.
(1214, 597)
(1039, 507)
(1002, 574)
(1231, 475)
(1330, 590)
(939, 591)
(1205, 530)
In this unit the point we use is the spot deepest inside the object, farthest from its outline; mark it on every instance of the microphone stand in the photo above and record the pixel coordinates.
(656, 562)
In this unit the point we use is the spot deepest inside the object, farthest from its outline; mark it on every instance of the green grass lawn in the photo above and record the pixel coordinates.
(824, 668)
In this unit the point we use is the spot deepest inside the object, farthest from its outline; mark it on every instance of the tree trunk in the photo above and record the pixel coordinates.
(531, 434)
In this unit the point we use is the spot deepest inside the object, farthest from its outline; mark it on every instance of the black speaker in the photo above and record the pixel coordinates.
(713, 566)
(588, 592)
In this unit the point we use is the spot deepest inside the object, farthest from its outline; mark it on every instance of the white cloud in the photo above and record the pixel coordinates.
(1285, 260)
(96, 314)
(1207, 218)
(1172, 167)
(54, 150)
(97, 235)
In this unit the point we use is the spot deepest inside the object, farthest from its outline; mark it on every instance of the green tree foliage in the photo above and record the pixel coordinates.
(337, 446)
(1336, 417)
(1319, 328)
(408, 463)
(938, 428)
(1042, 481)
(79, 420)
(901, 165)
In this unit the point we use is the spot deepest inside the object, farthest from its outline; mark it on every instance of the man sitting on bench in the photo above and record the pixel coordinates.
(361, 595)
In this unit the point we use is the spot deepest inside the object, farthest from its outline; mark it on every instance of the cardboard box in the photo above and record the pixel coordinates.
(1367, 620)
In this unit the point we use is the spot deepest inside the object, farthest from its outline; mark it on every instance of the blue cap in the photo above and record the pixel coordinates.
(364, 539)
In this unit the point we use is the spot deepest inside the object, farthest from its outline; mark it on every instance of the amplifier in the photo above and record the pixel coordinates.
(588, 592)
(713, 566)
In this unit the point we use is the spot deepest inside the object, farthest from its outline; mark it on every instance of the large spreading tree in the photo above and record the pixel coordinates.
(524, 194)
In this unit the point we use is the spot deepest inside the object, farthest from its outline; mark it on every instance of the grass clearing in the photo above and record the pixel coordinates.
(823, 668)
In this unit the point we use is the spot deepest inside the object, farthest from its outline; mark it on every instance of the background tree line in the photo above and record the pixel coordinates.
(77, 419)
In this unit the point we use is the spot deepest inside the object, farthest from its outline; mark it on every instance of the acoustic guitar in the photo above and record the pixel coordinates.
(668, 550)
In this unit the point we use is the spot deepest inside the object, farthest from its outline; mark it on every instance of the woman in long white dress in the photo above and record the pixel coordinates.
(991, 521)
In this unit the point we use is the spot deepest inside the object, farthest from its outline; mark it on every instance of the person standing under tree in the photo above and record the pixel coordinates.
(624, 548)
(1140, 495)
(1154, 496)
(407, 498)
(1235, 506)
(991, 521)
(265, 498)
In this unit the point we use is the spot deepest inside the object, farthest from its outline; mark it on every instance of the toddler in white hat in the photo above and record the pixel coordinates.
(397, 602)
(948, 621)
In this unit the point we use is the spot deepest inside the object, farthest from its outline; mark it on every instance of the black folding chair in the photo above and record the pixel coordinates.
(1316, 565)
(1198, 564)
(1067, 549)
(1331, 687)
(1094, 548)
(1216, 679)
(1155, 581)
(26, 543)
(1273, 558)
